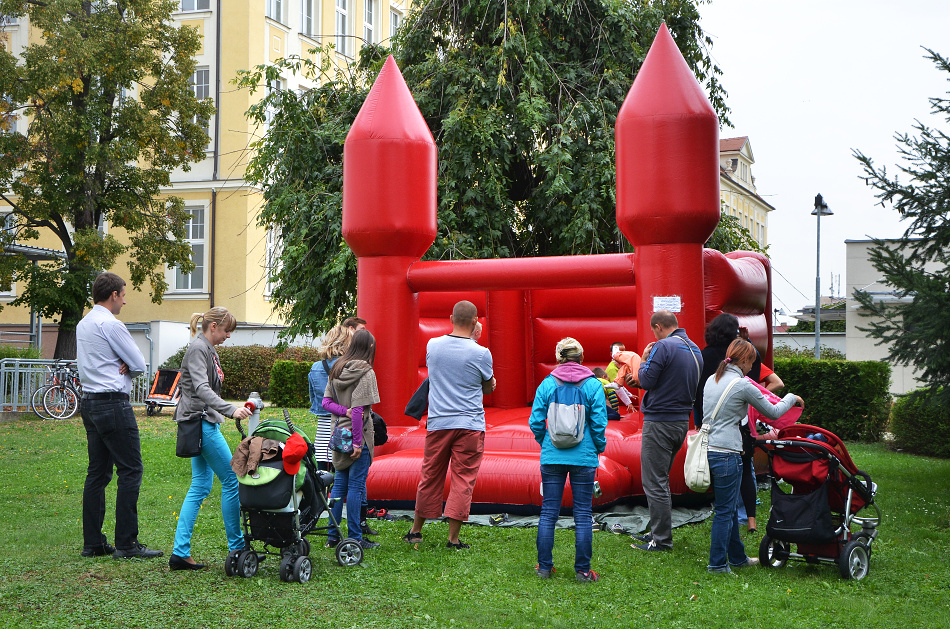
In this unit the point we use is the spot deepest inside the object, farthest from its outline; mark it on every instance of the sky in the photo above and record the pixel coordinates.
(808, 82)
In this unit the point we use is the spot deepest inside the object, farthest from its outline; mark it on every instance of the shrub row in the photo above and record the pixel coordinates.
(920, 422)
(849, 398)
(289, 386)
(248, 368)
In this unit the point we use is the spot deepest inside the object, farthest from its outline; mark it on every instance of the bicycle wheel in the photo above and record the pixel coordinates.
(36, 402)
(60, 402)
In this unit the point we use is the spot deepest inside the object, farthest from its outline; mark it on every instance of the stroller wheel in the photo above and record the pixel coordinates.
(247, 564)
(854, 562)
(148, 410)
(773, 553)
(230, 563)
(349, 552)
(303, 547)
(303, 569)
(287, 568)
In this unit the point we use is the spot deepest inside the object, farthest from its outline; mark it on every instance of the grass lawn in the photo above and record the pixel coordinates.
(45, 583)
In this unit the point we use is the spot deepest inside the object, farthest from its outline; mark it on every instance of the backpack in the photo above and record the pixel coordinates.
(567, 415)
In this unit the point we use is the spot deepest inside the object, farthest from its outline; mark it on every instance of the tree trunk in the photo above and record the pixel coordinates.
(66, 341)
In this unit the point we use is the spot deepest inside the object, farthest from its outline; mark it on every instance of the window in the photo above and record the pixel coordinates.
(195, 5)
(8, 115)
(275, 9)
(7, 20)
(272, 258)
(395, 19)
(273, 87)
(200, 83)
(307, 22)
(369, 20)
(744, 172)
(8, 226)
(194, 236)
(341, 17)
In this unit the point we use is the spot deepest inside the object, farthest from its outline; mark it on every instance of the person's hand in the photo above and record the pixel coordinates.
(349, 413)
(629, 408)
(241, 412)
(646, 351)
(631, 381)
(800, 401)
(123, 368)
(356, 453)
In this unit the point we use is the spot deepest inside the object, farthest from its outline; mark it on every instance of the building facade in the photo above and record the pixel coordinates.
(231, 252)
(737, 188)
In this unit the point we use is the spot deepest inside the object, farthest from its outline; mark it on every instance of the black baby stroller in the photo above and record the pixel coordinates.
(820, 513)
(164, 391)
(279, 511)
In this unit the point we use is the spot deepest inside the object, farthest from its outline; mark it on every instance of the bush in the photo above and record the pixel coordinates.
(248, 367)
(9, 351)
(827, 353)
(920, 422)
(849, 398)
(289, 386)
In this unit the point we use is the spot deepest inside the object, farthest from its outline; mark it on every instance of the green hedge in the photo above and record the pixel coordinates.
(920, 422)
(248, 367)
(289, 386)
(849, 398)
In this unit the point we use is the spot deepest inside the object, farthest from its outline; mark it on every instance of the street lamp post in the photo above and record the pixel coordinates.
(821, 209)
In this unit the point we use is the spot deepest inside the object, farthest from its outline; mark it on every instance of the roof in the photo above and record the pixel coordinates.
(728, 145)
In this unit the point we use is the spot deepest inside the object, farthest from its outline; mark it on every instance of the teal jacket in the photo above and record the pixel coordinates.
(595, 440)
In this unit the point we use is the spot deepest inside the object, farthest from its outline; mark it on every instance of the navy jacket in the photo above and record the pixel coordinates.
(670, 375)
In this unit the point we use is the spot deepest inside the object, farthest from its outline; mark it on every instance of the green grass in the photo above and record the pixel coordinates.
(45, 583)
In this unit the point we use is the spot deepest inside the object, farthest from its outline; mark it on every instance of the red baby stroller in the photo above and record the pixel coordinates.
(820, 513)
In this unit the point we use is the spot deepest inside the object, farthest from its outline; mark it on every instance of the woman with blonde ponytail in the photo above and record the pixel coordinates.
(201, 378)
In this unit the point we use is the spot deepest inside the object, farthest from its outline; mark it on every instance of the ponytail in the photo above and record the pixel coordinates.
(218, 315)
(739, 350)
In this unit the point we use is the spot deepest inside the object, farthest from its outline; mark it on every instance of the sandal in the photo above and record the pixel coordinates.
(459, 545)
(412, 538)
(331, 543)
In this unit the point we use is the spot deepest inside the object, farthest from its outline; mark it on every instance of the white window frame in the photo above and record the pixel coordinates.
(274, 9)
(9, 223)
(395, 20)
(273, 86)
(186, 6)
(341, 23)
(273, 246)
(308, 17)
(194, 237)
(369, 21)
(202, 90)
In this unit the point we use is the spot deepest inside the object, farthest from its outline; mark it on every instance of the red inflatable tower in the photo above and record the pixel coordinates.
(389, 221)
(668, 186)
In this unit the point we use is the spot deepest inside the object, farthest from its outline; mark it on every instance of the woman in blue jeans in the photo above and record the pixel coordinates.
(350, 392)
(579, 462)
(200, 384)
(726, 399)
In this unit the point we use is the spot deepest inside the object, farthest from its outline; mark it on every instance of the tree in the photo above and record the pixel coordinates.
(730, 235)
(111, 113)
(522, 99)
(917, 266)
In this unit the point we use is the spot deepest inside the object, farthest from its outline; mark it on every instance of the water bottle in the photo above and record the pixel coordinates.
(254, 403)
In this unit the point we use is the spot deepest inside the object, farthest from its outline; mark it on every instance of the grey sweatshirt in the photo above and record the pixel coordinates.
(724, 430)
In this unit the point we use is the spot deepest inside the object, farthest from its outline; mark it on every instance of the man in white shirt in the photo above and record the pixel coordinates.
(108, 359)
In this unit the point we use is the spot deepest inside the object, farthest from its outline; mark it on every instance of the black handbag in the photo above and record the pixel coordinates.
(801, 518)
(380, 434)
(188, 444)
(419, 402)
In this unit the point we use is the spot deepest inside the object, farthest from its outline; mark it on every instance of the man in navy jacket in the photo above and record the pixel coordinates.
(669, 373)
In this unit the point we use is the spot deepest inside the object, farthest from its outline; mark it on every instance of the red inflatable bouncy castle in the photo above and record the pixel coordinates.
(667, 139)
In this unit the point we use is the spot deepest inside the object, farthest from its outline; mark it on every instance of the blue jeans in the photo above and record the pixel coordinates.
(582, 488)
(214, 460)
(112, 439)
(726, 470)
(350, 485)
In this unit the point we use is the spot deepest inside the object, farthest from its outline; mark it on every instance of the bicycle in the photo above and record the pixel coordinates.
(59, 397)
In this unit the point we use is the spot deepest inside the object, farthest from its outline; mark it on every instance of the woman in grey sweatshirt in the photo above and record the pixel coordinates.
(732, 393)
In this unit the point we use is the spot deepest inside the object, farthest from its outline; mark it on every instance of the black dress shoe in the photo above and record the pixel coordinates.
(178, 563)
(137, 551)
(364, 527)
(98, 551)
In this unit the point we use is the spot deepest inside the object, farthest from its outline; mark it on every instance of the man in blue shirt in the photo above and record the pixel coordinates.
(669, 372)
(108, 359)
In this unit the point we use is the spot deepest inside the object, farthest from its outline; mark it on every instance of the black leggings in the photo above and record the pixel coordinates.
(747, 486)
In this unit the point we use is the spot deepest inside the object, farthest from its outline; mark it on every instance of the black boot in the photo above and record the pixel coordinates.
(363, 525)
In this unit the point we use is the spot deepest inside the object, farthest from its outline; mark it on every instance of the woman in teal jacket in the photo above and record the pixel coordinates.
(579, 462)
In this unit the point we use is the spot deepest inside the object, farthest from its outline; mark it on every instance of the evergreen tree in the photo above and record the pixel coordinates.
(917, 328)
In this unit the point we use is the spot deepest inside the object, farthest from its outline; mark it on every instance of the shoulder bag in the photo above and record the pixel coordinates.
(188, 444)
(696, 468)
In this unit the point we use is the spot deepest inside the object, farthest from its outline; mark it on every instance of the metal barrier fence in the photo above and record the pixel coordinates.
(20, 377)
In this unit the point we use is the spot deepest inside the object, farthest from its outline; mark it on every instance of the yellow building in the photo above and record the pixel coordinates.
(231, 252)
(737, 188)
